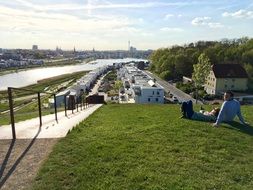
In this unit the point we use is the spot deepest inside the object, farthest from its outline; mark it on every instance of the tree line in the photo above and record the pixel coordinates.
(177, 61)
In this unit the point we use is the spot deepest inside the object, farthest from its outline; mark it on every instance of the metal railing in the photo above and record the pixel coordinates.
(80, 101)
(11, 107)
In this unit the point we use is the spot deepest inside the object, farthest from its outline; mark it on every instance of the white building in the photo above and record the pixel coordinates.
(81, 86)
(143, 89)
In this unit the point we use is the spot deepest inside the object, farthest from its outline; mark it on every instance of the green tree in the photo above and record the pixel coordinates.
(176, 61)
(118, 84)
(183, 65)
(166, 75)
(200, 71)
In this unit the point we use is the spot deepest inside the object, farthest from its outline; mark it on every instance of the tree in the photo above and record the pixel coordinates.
(178, 61)
(166, 75)
(182, 65)
(118, 84)
(200, 71)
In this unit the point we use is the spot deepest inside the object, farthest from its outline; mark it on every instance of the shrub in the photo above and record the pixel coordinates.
(166, 75)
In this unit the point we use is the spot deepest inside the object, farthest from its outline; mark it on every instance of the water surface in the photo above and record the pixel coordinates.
(31, 76)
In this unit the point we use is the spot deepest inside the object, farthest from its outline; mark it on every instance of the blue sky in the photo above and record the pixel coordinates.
(109, 24)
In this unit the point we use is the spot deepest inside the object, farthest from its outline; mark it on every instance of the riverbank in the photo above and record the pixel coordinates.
(31, 76)
(42, 84)
(51, 63)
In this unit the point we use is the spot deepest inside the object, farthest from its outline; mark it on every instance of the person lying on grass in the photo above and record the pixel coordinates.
(188, 112)
(229, 109)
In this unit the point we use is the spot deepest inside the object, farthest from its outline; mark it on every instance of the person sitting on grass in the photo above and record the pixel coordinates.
(229, 109)
(188, 112)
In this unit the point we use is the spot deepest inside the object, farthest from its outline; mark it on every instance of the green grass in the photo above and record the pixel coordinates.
(149, 147)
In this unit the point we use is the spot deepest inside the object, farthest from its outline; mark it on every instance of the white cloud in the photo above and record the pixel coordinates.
(215, 25)
(127, 29)
(97, 5)
(41, 21)
(141, 20)
(239, 14)
(168, 29)
(168, 16)
(47, 28)
(200, 21)
(205, 21)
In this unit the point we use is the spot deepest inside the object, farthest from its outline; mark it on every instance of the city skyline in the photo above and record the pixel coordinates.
(109, 25)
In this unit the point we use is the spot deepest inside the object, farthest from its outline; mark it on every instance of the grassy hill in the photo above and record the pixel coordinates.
(149, 147)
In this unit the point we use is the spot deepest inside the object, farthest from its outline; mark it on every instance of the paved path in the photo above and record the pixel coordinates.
(20, 161)
(96, 87)
(50, 129)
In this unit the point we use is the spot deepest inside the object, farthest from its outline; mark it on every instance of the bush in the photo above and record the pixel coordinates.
(166, 75)
(187, 88)
(211, 97)
(111, 76)
(201, 93)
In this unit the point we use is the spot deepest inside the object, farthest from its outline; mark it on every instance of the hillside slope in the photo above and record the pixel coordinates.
(149, 147)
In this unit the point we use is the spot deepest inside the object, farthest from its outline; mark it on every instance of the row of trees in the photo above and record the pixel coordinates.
(178, 61)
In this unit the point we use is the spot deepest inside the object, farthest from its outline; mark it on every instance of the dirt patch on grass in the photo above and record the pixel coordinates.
(21, 159)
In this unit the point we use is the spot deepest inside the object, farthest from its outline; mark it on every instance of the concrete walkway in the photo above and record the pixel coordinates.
(30, 129)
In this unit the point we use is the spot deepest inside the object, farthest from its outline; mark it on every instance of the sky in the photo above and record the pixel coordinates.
(110, 24)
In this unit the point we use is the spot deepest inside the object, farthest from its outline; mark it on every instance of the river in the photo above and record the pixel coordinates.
(31, 76)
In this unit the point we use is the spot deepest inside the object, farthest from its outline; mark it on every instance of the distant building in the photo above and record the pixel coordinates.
(224, 77)
(84, 84)
(132, 49)
(139, 88)
(35, 47)
(186, 80)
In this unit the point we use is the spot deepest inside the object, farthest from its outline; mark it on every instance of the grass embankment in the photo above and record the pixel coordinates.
(30, 109)
(149, 147)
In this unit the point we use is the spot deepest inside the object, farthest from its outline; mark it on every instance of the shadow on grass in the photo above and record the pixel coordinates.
(235, 125)
(3, 179)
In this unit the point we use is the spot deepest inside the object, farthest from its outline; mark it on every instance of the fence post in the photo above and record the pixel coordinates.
(39, 104)
(55, 108)
(65, 105)
(77, 103)
(11, 113)
(72, 103)
(81, 101)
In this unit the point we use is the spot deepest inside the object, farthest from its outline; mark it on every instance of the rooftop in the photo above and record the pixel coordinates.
(229, 71)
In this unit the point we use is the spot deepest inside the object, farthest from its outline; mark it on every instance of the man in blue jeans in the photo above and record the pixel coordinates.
(187, 109)
(229, 109)
(187, 112)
